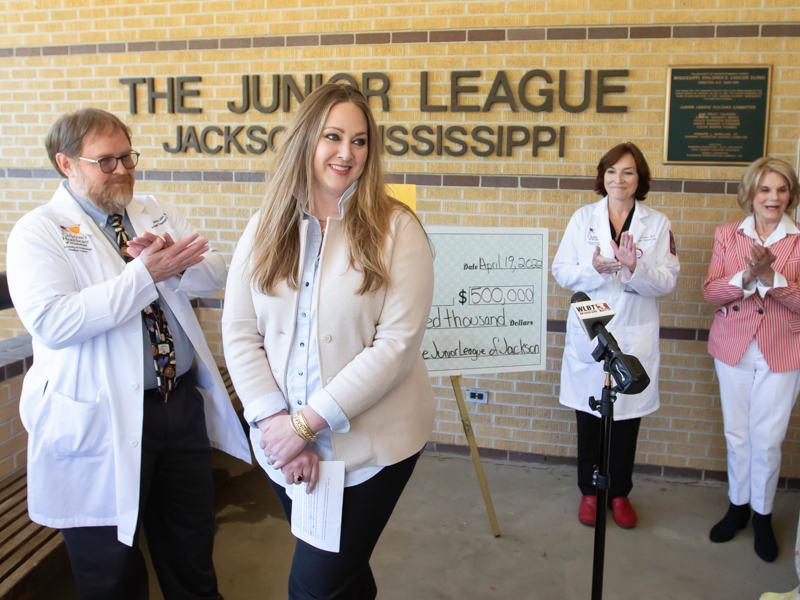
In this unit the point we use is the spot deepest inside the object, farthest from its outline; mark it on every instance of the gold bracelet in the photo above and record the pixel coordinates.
(294, 427)
(306, 428)
(301, 428)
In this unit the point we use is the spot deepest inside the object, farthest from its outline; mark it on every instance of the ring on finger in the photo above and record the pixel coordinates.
(299, 478)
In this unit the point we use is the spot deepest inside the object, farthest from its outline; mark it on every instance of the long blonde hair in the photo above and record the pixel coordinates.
(275, 254)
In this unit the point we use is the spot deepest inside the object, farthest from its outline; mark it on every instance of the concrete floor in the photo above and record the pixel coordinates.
(439, 545)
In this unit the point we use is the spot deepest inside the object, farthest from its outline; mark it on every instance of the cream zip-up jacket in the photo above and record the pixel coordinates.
(369, 345)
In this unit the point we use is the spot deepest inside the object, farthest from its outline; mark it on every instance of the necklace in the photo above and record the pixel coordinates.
(763, 238)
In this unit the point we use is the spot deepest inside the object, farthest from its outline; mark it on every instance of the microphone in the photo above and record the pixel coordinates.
(591, 314)
(627, 371)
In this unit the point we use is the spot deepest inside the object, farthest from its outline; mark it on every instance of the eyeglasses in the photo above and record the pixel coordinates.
(109, 163)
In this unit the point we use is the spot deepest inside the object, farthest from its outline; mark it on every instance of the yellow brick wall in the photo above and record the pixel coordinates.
(70, 21)
(59, 55)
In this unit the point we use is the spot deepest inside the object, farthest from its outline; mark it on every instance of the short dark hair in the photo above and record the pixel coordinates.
(67, 134)
(612, 157)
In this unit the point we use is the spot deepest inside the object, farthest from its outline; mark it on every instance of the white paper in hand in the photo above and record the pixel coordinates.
(317, 517)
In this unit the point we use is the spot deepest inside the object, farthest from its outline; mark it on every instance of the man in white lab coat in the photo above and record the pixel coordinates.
(124, 400)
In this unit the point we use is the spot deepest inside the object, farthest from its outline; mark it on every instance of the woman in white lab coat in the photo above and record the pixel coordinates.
(621, 251)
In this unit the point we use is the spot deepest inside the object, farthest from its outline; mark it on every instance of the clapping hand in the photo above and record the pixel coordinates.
(139, 243)
(760, 265)
(603, 265)
(165, 258)
(626, 251)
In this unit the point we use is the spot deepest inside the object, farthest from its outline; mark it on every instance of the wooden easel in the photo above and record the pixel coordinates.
(473, 449)
(488, 313)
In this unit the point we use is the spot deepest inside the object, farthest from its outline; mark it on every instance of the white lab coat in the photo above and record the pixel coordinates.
(81, 400)
(631, 295)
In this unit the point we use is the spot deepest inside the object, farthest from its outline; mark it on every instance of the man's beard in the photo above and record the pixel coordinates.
(112, 196)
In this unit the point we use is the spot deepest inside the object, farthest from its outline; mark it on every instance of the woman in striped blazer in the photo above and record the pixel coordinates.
(754, 278)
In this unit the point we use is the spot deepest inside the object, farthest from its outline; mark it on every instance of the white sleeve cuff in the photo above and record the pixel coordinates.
(778, 281)
(592, 279)
(325, 406)
(173, 284)
(264, 407)
(738, 281)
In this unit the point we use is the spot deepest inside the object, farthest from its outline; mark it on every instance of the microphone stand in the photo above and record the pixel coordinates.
(631, 378)
(600, 479)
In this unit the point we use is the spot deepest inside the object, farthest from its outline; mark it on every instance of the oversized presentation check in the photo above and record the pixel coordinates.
(489, 311)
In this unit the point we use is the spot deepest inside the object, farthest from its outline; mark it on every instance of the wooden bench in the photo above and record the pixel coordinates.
(30, 554)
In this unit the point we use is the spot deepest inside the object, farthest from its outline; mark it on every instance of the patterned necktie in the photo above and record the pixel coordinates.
(155, 320)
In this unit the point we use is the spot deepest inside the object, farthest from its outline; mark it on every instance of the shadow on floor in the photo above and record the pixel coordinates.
(438, 545)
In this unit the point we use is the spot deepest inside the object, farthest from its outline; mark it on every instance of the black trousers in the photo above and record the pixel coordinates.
(346, 575)
(176, 510)
(622, 454)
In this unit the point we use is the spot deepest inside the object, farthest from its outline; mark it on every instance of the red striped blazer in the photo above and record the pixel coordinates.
(774, 320)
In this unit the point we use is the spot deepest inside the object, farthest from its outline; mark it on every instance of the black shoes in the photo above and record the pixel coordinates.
(765, 545)
(734, 520)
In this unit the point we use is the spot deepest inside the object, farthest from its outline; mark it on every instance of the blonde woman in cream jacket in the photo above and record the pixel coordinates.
(326, 305)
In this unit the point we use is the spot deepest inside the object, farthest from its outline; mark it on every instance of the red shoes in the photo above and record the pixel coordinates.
(587, 513)
(624, 514)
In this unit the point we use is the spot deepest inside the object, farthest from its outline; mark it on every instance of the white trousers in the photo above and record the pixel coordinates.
(756, 406)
